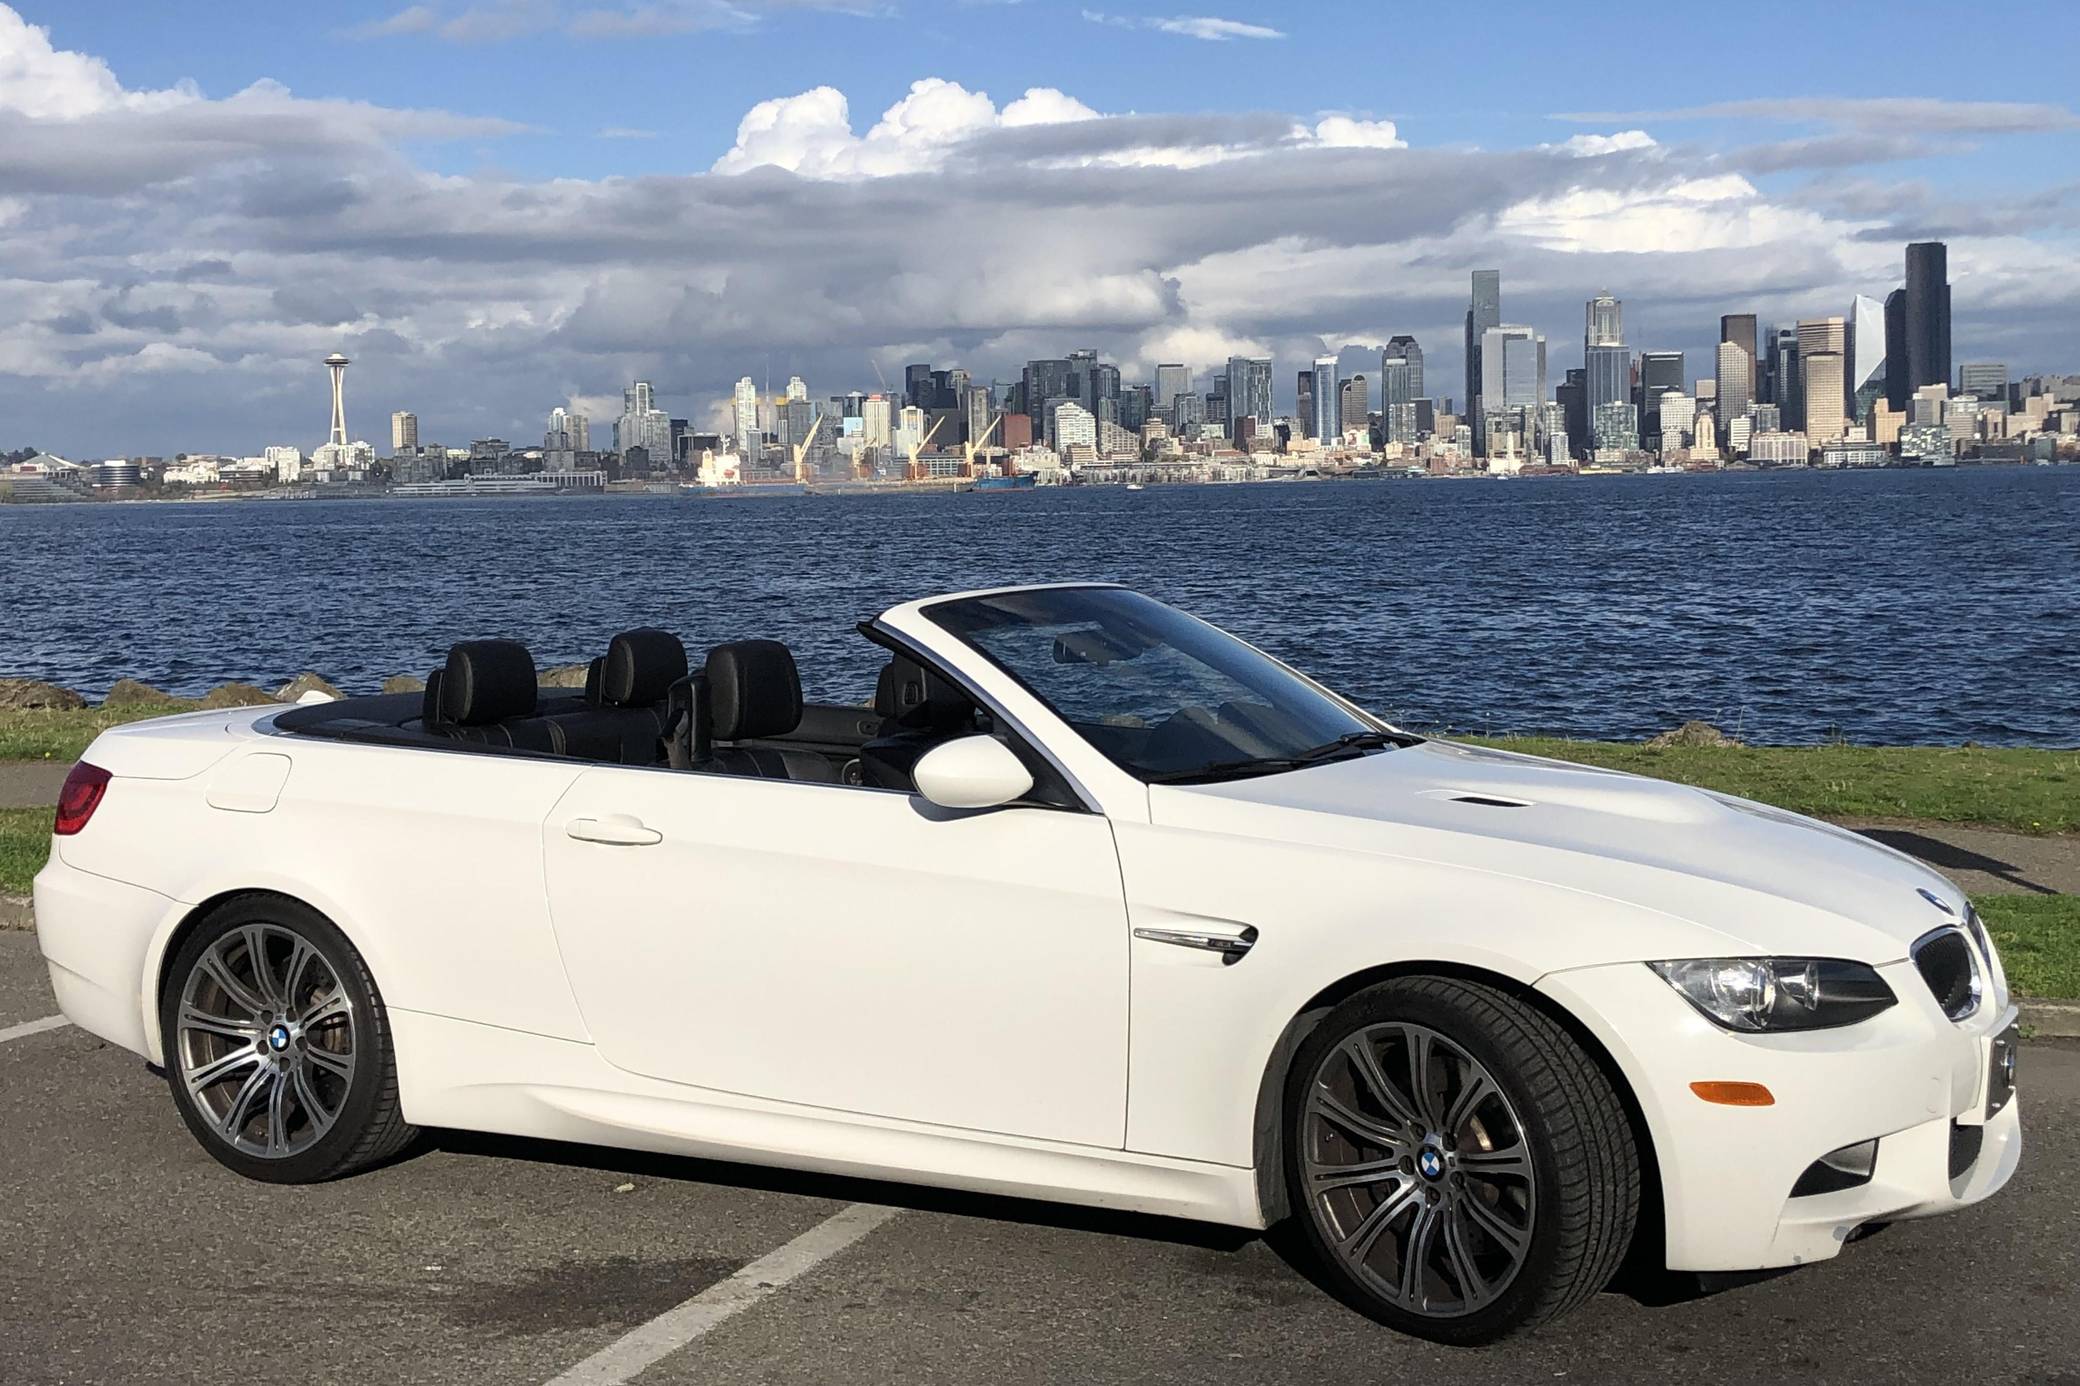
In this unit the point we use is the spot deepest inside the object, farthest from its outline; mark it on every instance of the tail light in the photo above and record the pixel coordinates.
(79, 798)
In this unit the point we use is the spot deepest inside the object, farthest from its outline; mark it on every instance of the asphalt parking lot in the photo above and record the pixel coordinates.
(127, 1255)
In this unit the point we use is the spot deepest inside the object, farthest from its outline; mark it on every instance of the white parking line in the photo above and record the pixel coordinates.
(32, 1027)
(620, 1360)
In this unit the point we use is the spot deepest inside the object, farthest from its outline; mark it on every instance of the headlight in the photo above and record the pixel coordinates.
(1755, 994)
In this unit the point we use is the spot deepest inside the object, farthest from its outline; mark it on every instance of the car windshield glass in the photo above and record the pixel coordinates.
(1165, 696)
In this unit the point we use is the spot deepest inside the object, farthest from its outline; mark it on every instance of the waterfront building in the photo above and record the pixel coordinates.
(1927, 322)
(1774, 448)
(1483, 315)
(1927, 406)
(287, 463)
(1326, 424)
(1407, 348)
(909, 432)
(404, 431)
(1071, 427)
(1617, 427)
(1678, 415)
(1927, 443)
(1736, 380)
(1172, 380)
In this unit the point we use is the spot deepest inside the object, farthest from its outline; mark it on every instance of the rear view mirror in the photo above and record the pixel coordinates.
(1093, 646)
(972, 772)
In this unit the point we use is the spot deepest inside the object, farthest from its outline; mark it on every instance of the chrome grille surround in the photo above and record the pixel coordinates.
(1950, 966)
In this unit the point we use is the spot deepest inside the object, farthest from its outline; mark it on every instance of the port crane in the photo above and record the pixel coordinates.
(973, 445)
(801, 452)
(916, 471)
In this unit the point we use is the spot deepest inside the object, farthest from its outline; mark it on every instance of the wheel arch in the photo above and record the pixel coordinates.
(1268, 1153)
(190, 917)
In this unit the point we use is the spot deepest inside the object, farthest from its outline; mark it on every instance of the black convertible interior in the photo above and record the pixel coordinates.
(740, 712)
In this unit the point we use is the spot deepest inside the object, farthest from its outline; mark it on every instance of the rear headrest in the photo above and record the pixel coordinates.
(641, 667)
(487, 681)
(918, 698)
(430, 701)
(753, 690)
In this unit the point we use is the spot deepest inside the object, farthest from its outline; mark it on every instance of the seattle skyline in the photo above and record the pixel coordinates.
(185, 233)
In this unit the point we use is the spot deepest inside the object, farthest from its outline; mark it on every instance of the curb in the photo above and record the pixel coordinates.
(16, 913)
(2051, 1019)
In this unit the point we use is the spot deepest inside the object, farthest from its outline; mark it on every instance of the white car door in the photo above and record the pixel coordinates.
(848, 948)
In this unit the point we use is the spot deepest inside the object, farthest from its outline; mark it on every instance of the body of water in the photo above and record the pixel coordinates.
(1888, 606)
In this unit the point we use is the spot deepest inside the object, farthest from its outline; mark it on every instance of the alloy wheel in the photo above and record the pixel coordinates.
(265, 1040)
(1417, 1170)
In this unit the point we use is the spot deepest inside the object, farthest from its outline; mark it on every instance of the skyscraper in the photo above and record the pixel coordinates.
(1786, 390)
(1171, 381)
(1603, 323)
(1303, 402)
(1736, 377)
(404, 431)
(1739, 328)
(1826, 410)
(744, 420)
(1326, 399)
(1354, 405)
(1897, 390)
(1405, 346)
(1396, 388)
(1865, 360)
(1513, 383)
(1249, 391)
(1483, 314)
(1659, 372)
(1928, 314)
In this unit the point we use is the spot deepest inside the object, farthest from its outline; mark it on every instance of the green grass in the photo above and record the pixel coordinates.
(2027, 791)
(2039, 941)
(25, 843)
(43, 734)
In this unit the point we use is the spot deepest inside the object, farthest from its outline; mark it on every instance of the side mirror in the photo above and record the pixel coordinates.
(973, 772)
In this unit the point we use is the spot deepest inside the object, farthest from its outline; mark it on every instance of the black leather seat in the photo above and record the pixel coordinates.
(486, 693)
(748, 690)
(919, 710)
(623, 718)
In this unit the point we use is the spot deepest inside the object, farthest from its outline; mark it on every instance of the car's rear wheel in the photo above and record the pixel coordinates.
(1459, 1167)
(277, 1047)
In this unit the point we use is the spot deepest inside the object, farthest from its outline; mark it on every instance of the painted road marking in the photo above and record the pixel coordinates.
(622, 1359)
(32, 1027)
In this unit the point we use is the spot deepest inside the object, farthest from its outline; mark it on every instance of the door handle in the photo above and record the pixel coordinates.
(1231, 946)
(615, 829)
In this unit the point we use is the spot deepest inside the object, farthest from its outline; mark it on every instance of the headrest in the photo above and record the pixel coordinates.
(430, 701)
(593, 669)
(641, 667)
(487, 681)
(753, 690)
(916, 697)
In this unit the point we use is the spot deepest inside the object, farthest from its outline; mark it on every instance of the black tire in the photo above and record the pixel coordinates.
(333, 1124)
(1568, 1222)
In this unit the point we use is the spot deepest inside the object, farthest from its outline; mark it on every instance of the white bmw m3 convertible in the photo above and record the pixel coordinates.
(1095, 903)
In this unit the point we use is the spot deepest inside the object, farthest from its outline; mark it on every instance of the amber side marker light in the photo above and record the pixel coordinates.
(1735, 1094)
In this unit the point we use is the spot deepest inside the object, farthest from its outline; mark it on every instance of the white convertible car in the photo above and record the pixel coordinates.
(1095, 903)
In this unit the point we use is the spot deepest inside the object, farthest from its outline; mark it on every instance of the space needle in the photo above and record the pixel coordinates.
(339, 364)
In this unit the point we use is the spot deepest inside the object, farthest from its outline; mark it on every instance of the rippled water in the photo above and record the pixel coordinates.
(1897, 606)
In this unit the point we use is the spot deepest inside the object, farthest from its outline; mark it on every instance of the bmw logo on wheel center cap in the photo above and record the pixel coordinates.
(278, 1038)
(1430, 1162)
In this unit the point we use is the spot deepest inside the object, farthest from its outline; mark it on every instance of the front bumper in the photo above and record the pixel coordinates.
(1909, 1078)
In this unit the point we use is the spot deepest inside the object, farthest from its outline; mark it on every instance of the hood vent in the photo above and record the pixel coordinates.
(1489, 801)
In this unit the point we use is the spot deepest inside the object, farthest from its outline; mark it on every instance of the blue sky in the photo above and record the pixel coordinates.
(515, 204)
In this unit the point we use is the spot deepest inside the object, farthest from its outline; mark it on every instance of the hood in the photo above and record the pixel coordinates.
(1776, 881)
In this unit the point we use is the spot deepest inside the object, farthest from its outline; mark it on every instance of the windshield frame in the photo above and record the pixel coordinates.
(1369, 724)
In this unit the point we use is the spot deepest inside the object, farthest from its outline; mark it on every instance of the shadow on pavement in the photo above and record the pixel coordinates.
(1949, 856)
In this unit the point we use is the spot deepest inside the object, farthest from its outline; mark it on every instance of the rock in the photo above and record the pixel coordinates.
(1694, 734)
(28, 693)
(298, 688)
(236, 695)
(131, 693)
(563, 676)
(404, 683)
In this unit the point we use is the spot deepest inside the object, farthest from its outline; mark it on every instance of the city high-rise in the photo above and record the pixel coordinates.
(1327, 401)
(1865, 361)
(1406, 347)
(1823, 348)
(1397, 394)
(1736, 381)
(1249, 391)
(1659, 373)
(744, 429)
(1928, 314)
(1483, 314)
(1739, 328)
(1606, 367)
(1171, 381)
(404, 431)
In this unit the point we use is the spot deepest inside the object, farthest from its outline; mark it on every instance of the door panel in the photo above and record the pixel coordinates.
(849, 948)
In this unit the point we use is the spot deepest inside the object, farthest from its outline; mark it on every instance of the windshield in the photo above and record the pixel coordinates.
(1167, 697)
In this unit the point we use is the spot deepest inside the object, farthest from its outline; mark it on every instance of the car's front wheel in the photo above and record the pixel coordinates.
(1458, 1166)
(277, 1047)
